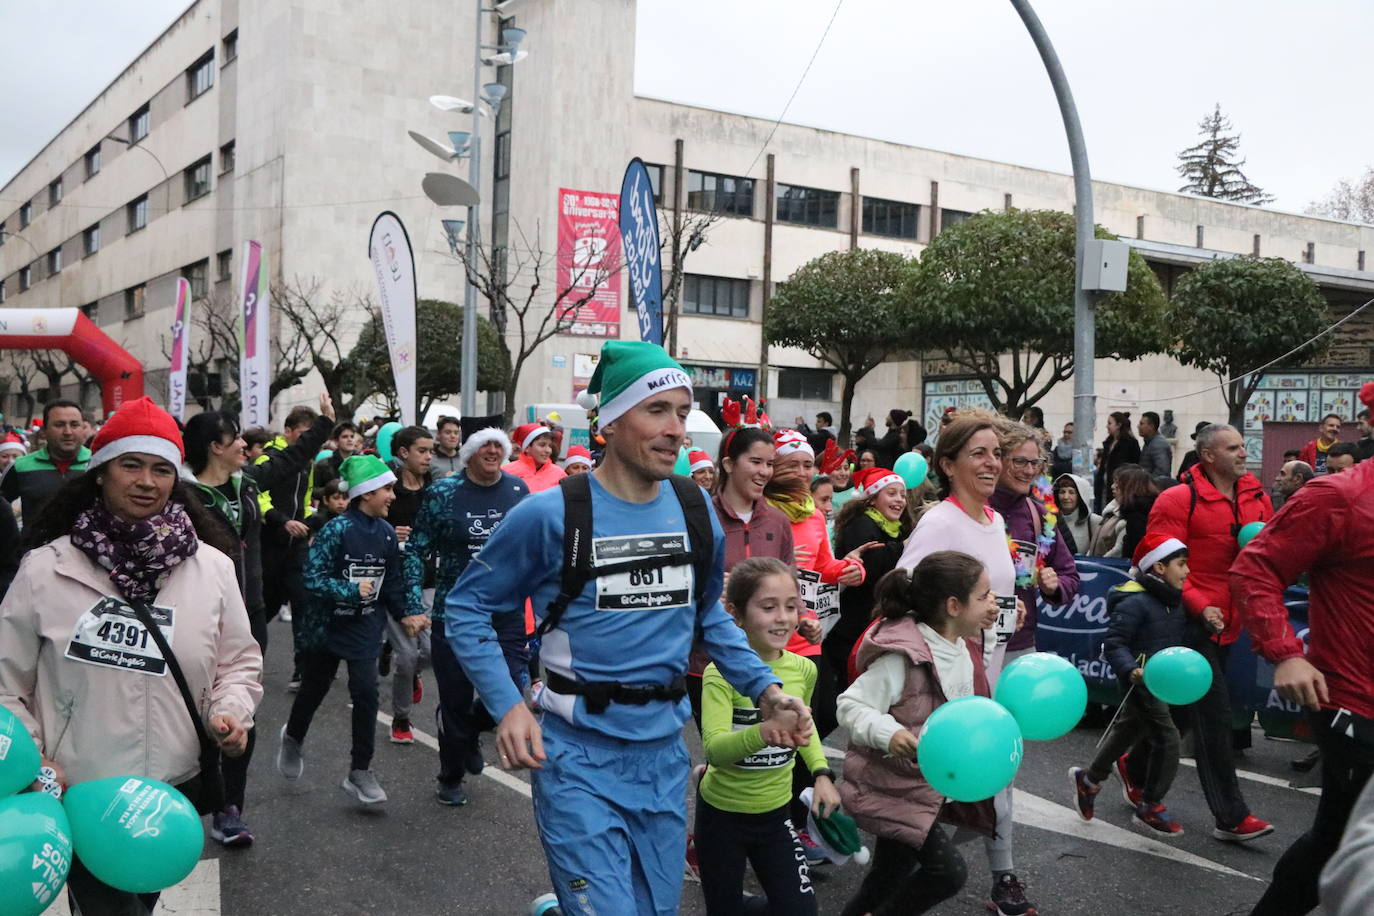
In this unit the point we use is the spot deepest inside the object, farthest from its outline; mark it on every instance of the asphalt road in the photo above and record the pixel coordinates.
(319, 852)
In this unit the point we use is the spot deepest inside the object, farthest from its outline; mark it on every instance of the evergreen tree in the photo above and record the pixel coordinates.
(1211, 169)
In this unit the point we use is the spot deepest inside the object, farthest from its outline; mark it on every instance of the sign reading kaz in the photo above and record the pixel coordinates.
(255, 348)
(588, 258)
(394, 264)
(639, 232)
(181, 333)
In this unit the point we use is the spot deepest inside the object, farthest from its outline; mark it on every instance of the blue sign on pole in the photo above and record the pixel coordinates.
(639, 236)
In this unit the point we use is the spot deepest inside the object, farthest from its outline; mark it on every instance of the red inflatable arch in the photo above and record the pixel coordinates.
(119, 374)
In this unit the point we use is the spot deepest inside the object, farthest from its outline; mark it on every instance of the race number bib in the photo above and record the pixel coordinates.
(1006, 618)
(646, 589)
(820, 597)
(768, 758)
(367, 572)
(111, 634)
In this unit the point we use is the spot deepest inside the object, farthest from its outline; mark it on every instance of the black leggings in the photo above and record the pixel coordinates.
(727, 839)
(907, 880)
(317, 675)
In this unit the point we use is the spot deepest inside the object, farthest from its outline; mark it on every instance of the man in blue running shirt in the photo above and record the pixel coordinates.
(610, 775)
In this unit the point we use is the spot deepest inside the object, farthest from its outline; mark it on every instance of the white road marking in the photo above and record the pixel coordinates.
(496, 774)
(1260, 777)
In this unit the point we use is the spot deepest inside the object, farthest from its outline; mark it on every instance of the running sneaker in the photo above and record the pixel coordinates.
(815, 855)
(227, 827)
(401, 733)
(1155, 820)
(1131, 793)
(285, 614)
(473, 761)
(363, 786)
(294, 684)
(1085, 793)
(418, 692)
(453, 795)
(1252, 828)
(290, 759)
(1008, 898)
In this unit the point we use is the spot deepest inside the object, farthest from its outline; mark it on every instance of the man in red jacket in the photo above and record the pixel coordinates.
(1217, 497)
(1327, 530)
(1328, 433)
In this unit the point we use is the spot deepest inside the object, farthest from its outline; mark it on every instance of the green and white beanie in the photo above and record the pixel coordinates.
(365, 473)
(628, 372)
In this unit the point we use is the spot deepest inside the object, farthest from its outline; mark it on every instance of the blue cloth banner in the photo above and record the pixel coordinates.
(639, 236)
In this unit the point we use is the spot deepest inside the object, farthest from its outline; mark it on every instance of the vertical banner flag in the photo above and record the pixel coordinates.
(255, 344)
(392, 261)
(588, 259)
(181, 340)
(639, 234)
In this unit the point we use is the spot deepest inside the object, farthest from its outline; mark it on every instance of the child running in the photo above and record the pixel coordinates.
(743, 799)
(1146, 616)
(924, 651)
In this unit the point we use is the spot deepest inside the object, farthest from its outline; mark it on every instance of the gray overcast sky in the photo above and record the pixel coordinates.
(960, 76)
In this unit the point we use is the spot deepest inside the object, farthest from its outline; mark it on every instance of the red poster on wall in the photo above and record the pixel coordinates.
(589, 261)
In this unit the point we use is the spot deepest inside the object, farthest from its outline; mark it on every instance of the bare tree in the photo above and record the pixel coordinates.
(1350, 200)
(18, 366)
(682, 235)
(326, 326)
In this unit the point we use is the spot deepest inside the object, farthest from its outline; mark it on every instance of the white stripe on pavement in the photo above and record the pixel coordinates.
(496, 774)
(1260, 777)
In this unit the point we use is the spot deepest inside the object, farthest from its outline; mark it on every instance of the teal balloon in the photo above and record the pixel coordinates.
(1045, 693)
(35, 852)
(1248, 532)
(323, 454)
(19, 757)
(138, 835)
(1178, 675)
(912, 468)
(969, 749)
(683, 466)
(384, 439)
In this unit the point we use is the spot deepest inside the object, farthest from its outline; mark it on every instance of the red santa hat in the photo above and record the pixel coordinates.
(13, 442)
(525, 435)
(872, 481)
(699, 460)
(578, 454)
(139, 426)
(1367, 395)
(788, 441)
(1155, 548)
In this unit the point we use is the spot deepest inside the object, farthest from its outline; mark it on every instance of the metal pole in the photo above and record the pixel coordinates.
(1084, 320)
(469, 370)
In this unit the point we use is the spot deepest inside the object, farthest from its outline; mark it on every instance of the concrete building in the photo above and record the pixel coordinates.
(286, 122)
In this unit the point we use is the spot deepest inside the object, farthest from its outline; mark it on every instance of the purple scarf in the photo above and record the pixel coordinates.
(139, 555)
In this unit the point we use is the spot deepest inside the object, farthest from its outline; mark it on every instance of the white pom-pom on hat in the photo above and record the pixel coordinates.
(586, 400)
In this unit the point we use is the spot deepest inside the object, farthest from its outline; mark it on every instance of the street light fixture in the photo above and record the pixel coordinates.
(131, 145)
(453, 103)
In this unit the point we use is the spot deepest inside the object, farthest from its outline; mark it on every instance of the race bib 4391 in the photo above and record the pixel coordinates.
(111, 634)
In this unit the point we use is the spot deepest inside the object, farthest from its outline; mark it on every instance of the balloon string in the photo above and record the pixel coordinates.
(1115, 717)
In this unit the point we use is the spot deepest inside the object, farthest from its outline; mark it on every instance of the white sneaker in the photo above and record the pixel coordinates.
(285, 615)
(363, 786)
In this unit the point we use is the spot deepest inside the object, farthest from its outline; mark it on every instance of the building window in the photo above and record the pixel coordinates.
(198, 275)
(200, 76)
(891, 218)
(806, 384)
(91, 310)
(950, 218)
(139, 124)
(133, 301)
(197, 180)
(226, 157)
(25, 214)
(25, 277)
(138, 213)
(55, 261)
(231, 46)
(90, 240)
(720, 194)
(655, 181)
(93, 161)
(808, 206)
(55, 193)
(501, 164)
(3, 233)
(721, 296)
(223, 262)
(2, 290)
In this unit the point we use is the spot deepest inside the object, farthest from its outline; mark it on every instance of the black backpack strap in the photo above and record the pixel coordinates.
(577, 547)
(701, 540)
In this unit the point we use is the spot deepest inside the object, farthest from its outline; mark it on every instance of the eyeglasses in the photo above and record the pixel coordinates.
(1027, 464)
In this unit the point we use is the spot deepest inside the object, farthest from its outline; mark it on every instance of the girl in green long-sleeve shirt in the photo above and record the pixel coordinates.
(742, 805)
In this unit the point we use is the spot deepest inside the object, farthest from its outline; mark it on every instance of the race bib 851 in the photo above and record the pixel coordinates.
(646, 589)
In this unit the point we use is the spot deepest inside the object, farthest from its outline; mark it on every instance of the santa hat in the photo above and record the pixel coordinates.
(578, 454)
(139, 426)
(1155, 548)
(13, 442)
(628, 372)
(1367, 395)
(700, 461)
(525, 435)
(365, 473)
(788, 441)
(742, 414)
(872, 481)
(476, 436)
(832, 459)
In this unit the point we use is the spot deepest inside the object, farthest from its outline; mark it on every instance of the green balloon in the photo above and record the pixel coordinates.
(969, 749)
(138, 835)
(35, 852)
(912, 468)
(384, 439)
(1178, 675)
(1045, 693)
(683, 466)
(19, 757)
(1247, 533)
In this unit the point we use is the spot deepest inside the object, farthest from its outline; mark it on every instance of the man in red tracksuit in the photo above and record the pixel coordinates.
(1326, 530)
(1206, 511)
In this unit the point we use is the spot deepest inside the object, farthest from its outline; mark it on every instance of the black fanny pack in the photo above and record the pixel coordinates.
(600, 694)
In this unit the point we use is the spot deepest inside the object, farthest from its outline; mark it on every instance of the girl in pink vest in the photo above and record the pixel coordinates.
(925, 650)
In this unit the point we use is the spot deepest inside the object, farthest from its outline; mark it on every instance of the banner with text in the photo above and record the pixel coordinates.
(639, 233)
(181, 341)
(394, 264)
(255, 342)
(587, 272)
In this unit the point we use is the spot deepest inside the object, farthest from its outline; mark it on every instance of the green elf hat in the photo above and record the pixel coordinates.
(628, 372)
(365, 473)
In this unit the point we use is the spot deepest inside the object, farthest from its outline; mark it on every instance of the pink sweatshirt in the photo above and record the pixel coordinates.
(810, 535)
(538, 479)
